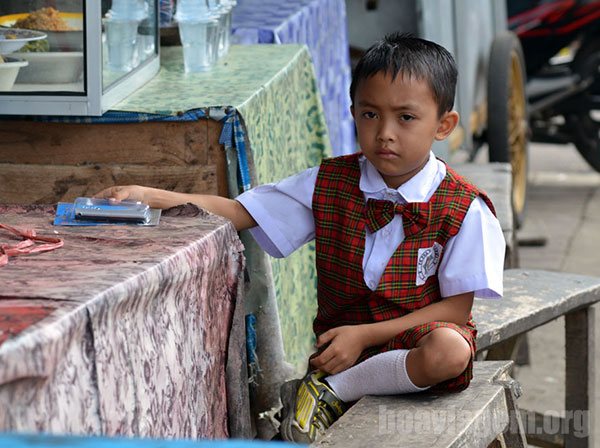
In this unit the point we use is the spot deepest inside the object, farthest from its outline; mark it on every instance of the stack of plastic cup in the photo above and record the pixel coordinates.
(225, 8)
(121, 24)
(145, 40)
(220, 9)
(198, 30)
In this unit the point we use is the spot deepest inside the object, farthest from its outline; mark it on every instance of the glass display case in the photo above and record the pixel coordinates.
(75, 57)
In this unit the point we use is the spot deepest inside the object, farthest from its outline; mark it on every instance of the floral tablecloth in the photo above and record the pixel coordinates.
(124, 330)
(321, 25)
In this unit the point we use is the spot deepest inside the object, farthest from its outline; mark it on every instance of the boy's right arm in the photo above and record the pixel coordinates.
(156, 198)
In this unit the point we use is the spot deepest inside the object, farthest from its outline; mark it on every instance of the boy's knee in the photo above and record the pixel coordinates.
(446, 354)
(457, 362)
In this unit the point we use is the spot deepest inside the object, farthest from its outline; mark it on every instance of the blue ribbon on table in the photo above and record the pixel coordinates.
(115, 116)
(234, 136)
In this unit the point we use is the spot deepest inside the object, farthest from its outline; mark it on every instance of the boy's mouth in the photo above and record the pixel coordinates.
(386, 153)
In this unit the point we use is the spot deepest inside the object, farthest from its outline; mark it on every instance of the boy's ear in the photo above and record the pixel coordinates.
(448, 123)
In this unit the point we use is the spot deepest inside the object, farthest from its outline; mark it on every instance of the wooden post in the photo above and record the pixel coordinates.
(580, 376)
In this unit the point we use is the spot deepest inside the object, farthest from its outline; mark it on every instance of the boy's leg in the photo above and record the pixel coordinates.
(311, 405)
(382, 374)
(440, 355)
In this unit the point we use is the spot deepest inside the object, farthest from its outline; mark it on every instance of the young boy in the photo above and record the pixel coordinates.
(403, 243)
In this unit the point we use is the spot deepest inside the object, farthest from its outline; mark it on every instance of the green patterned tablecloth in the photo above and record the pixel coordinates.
(274, 90)
(234, 81)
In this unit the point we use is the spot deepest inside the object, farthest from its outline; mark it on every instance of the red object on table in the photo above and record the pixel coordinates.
(27, 245)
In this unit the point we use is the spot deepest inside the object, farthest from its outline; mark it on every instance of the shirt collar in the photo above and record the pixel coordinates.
(416, 189)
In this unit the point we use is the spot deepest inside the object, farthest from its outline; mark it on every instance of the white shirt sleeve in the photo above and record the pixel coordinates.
(283, 212)
(473, 259)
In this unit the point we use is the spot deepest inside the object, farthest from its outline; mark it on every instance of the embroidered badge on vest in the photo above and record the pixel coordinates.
(427, 262)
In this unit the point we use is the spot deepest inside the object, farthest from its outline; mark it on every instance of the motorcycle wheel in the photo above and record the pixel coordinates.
(507, 127)
(585, 124)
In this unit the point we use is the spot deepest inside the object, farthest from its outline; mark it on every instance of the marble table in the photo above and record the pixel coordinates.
(124, 331)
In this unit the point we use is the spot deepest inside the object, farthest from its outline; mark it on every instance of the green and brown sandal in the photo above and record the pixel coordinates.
(309, 407)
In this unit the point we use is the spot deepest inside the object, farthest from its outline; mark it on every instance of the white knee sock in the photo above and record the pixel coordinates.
(382, 374)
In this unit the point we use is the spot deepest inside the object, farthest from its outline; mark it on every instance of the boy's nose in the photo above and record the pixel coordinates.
(385, 133)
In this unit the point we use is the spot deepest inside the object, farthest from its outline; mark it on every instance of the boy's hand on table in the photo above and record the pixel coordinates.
(157, 198)
(121, 193)
(346, 343)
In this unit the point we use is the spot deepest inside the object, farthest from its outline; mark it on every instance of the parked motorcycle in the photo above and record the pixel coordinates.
(561, 45)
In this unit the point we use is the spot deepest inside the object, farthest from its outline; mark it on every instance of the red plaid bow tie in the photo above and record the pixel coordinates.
(415, 215)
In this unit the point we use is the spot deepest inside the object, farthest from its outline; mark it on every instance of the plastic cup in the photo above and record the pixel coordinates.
(199, 34)
(193, 10)
(225, 8)
(199, 41)
(128, 10)
(145, 40)
(221, 9)
(224, 30)
(121, 41)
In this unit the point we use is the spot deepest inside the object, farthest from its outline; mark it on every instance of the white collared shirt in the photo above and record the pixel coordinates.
(473, 260)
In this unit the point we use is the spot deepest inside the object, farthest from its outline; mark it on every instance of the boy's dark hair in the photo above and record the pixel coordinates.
(412, 57)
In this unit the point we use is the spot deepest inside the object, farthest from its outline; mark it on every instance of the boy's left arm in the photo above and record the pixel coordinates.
(346, 343)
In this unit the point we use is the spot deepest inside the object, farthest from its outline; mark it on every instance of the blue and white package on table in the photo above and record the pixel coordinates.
(99, 209)
(93, 211)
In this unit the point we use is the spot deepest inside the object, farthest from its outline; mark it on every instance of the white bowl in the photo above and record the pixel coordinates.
(9, 71)
(12, 39)
(51, 67)
(65, 40)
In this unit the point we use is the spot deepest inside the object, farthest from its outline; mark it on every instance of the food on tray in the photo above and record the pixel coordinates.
(45, 19)
(36, 46)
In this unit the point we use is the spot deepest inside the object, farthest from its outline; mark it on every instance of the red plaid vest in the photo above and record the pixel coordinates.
(338, 208)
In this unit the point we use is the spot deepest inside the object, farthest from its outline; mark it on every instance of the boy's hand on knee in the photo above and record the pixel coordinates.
(346, 343)
(121, 193)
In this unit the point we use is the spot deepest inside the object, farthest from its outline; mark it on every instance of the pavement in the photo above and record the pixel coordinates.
(564, 210)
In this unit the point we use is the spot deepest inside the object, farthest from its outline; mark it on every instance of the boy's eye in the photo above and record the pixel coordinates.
(406, 117)
(369, 115)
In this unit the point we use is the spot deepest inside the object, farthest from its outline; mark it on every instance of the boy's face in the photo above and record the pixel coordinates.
(397, 121)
